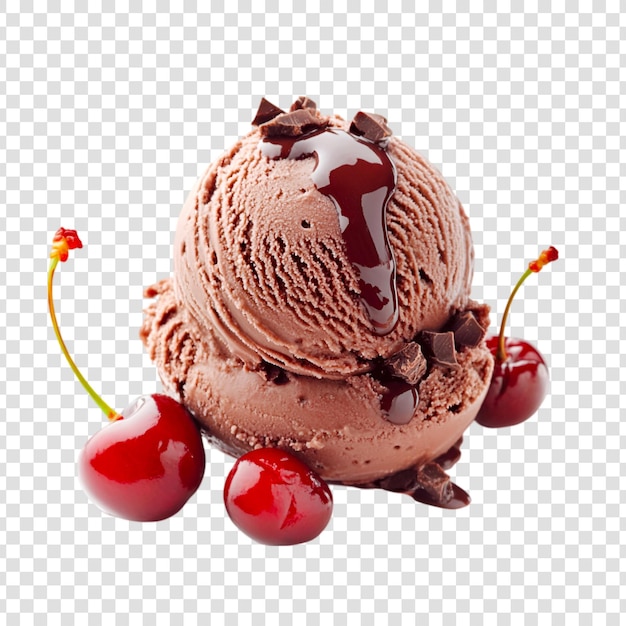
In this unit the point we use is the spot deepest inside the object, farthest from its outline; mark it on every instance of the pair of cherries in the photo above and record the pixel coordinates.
(150, 460)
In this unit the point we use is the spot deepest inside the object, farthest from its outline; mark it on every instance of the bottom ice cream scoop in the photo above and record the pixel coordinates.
(320, 304)
(340, 428)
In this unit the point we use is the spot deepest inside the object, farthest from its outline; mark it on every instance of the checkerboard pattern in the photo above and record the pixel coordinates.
(106, 119)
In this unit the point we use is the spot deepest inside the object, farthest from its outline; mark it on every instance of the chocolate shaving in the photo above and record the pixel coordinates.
(409, 364)
(303, 102)
(467, 331)
(266, 112)
(371, 126)
(293, 124)
(439, 347)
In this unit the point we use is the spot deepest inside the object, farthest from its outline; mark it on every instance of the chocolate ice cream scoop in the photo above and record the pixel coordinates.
(264, 257)
(321, 303)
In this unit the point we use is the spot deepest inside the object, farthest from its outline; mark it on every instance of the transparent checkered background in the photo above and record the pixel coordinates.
(106, 119)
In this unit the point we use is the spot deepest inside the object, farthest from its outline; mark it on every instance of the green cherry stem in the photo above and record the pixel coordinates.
(547, 256)
(65, 240)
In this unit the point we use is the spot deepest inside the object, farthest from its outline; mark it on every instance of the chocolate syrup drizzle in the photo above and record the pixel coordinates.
(359, 177)
(399, 400)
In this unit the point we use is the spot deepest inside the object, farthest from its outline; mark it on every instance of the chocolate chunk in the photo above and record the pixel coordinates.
(303, 103)
(293, 124)
(371, 126)
(409, 364)
(266, 112)
(467, 331)
(439, 347)
(435, 482)
(452, 498)
(426, 483)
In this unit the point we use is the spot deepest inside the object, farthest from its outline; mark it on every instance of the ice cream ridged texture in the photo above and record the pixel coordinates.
(259, 259)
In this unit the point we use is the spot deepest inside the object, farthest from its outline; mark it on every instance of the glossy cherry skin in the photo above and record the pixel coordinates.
(146, 465)
(276, 499)
(518, 385)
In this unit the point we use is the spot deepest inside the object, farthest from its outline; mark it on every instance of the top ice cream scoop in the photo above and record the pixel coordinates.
(321, 303)
(321, 250)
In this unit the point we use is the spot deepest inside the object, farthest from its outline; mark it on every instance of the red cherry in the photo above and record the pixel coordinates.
(276, 499)
(147, 464)
(520, 378)
(518, 385)
(150, 460)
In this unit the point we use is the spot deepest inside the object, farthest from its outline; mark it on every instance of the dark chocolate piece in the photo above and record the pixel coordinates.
(453, 497)
(467, 331)
(303, 102)
(293, 124)
(439, 347)
(435, 482)
(371, 126)
(428, 484)
(266, 112)
(409, 364)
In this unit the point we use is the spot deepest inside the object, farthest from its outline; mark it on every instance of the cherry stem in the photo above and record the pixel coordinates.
(501, 354)
(106, 409)
(547, 256)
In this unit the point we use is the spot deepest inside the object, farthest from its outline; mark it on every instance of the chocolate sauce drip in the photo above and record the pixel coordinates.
(456, 498)
(399, 401)
(449, 458)
(359, 177)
